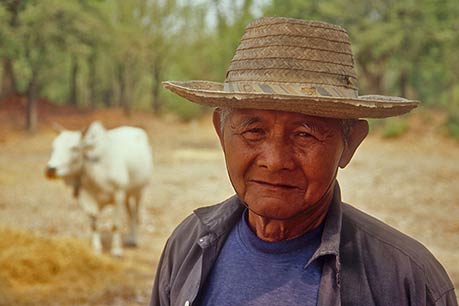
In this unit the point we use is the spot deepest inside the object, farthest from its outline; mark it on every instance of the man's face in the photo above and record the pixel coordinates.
(280, 163)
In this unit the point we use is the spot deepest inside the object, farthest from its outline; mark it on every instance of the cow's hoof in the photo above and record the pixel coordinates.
(116, 253)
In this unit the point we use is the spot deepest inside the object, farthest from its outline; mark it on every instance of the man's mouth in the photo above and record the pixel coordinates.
(283, 185)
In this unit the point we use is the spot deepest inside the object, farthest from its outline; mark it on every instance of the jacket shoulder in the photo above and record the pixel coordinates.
(391, 247)
(205, 220)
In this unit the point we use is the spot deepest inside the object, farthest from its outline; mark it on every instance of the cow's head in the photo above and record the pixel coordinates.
(67, 155)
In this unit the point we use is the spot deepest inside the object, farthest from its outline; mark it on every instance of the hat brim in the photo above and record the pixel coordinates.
(370, 106)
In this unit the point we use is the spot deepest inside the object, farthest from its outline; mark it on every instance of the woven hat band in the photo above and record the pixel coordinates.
(294, 89)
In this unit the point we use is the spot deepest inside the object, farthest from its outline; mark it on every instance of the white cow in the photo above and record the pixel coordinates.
(104, 167)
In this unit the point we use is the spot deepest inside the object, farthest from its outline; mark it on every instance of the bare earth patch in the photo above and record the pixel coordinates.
(410, 183)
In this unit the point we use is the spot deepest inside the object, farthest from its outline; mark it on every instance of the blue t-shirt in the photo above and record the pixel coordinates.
(253, 272)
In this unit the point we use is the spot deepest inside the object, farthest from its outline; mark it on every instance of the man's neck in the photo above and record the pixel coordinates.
(278, 230)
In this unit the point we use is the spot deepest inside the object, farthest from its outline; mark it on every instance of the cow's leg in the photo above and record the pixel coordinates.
(92, 209)
(117, 244)
(132, 206)
(95, 235)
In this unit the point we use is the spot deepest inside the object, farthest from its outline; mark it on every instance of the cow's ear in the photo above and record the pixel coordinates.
(95, 129)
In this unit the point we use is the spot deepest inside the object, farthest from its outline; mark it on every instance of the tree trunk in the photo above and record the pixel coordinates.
(156, 103)
(73, 99)
(403, 83)
(107, 96)
(221, 19)
(453, 101)
(8, 79)
(92, 80)
(246, 8)
(374, 80)
(31, 114)
(9, 84)
(123, 102)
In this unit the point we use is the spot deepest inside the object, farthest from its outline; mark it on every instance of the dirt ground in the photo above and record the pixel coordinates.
(410, 183)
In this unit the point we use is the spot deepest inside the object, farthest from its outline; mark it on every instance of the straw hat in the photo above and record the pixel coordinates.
(293, 65)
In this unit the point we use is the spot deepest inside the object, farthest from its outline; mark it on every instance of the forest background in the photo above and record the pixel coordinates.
(96, 53)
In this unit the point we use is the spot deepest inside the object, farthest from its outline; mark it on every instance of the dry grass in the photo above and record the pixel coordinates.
(36, 270)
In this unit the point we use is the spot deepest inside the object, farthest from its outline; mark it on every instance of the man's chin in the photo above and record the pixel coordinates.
(273, 216)
(274, 211)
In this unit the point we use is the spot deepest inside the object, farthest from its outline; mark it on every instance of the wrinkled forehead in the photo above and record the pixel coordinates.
(246, 116)
(67, 139)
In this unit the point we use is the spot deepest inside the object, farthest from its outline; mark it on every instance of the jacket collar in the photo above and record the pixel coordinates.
(331, 235)
(221, 218)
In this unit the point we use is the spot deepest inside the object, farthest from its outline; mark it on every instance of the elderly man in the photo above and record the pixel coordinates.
(288, 117)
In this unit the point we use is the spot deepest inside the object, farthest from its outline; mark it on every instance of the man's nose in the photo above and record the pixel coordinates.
(277, 155)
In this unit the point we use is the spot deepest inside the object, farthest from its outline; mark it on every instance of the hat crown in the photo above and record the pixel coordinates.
(285, 55)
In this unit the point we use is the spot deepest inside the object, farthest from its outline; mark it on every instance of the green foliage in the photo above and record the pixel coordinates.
(394, 127)
(185, 110)
(390, 127)
(295, 8)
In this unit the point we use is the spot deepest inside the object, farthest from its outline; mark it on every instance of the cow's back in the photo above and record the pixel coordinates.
(129, 147)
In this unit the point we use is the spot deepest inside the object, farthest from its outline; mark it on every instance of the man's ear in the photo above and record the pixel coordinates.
(357, 133)
(216, 118)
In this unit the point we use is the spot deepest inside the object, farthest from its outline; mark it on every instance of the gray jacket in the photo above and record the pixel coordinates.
(366, 261)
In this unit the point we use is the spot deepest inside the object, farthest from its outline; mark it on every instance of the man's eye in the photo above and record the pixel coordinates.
(253, 134)
(304, 134)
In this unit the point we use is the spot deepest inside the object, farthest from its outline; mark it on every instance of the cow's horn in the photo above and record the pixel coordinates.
(57, 127)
